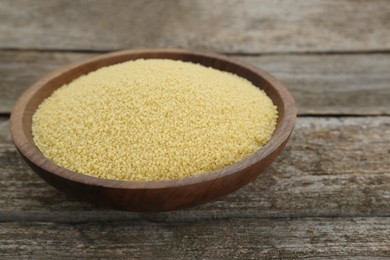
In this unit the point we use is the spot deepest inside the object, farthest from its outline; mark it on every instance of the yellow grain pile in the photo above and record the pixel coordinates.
(153, 119)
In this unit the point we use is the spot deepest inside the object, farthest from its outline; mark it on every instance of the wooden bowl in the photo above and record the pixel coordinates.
(151, 195)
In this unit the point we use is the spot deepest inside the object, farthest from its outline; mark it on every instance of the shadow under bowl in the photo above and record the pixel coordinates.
(152, 195)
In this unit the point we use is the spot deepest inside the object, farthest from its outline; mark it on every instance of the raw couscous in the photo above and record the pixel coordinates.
(153, 119)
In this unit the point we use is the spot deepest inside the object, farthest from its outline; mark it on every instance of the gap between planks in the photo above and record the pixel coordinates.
(238, 54)
(104, 215)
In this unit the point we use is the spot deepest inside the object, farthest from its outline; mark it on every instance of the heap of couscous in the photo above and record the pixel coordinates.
(153, 119)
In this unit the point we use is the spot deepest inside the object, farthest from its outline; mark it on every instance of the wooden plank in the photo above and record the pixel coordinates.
(19, 70)
(355, 84)
(331, 167)
(224, 26)
(333, 84)
(217, 239)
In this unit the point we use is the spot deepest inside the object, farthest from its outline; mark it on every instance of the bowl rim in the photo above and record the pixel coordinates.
(31, 152)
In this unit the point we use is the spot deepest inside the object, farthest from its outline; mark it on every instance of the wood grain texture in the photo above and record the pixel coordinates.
(217, 239)
(331, 167)
(327, 196)
(20, 69)
(357, 84)
(224, 26)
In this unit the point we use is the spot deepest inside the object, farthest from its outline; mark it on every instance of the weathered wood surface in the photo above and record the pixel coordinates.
(332, 167)
(326, 196)
(225, 26)
(220, 239)
(354, 84)
(19, 70)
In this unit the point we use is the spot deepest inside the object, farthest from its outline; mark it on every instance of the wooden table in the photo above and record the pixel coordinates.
(327, 195)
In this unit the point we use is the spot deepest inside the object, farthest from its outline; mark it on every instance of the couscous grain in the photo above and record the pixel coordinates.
(153, 119)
